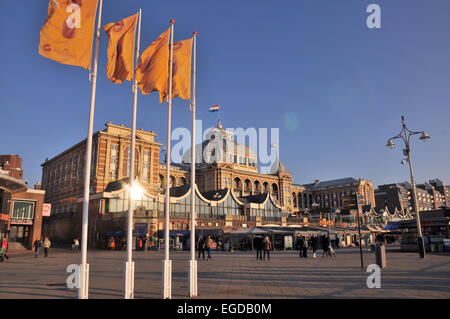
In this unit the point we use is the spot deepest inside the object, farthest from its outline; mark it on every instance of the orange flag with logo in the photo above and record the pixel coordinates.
(68, 31)
(153, 70)
(181, 71)
(121, 49)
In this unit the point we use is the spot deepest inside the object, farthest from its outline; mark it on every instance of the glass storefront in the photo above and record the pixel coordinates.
(23, 212)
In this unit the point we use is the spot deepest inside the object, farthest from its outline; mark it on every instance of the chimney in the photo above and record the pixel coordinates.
(38, 186)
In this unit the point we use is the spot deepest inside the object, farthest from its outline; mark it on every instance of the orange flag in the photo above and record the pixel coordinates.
(121, 49)
(153, 70)
(181, 71)
(67, 33)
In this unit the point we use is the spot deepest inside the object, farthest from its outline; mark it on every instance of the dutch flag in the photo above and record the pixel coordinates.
(214, 108)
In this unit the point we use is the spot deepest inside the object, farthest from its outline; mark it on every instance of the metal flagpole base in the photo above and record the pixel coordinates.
(84, 282)
(129, 280)
(167, 279)
(192, 278)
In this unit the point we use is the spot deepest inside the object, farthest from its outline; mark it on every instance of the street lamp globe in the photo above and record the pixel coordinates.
(424, 136)
(390, 143)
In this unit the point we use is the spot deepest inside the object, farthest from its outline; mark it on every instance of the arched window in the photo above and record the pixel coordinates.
(162, 183)
(294, 199)
(172, 182)
(257, 187)
(237, 185)
(266, 187)
(182, 181)
(247, 185)
(275, 191)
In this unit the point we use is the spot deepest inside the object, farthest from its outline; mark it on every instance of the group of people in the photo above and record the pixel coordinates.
(262, 245)
(38, 243)
(203, 244)
(304, 244)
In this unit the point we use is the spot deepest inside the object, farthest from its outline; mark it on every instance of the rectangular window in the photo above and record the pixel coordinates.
(129, 161)
(93, 158)
(113, 164)
(146, 165)
(78, 167)
(23, 212)
(61, 174)
(71, 169)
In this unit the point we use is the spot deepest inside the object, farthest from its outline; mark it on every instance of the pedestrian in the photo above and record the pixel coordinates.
(209, 243)
(46, 246)
(258, 245)
(305, 247)
(267, 247)
(337, 241)
(313, 244)
(3, 250)
(300, 243)
(37, 245)
(77, 244)
(201, 247)
(325, 245)
(331, 251)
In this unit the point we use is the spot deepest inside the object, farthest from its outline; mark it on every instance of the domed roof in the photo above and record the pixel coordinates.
(218, 147)
(277, 167)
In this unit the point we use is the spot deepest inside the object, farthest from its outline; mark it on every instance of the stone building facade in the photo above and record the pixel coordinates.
(223, 166)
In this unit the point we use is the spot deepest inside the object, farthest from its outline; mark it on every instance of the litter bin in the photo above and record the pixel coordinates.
(380, 255)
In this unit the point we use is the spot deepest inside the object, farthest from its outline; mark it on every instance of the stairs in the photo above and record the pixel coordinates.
(18, 246)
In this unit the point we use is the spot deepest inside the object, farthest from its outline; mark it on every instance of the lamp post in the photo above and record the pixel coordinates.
(405, 134)
(315, 205)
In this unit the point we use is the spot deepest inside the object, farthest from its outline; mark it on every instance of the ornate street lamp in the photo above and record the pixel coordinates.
(405, 134)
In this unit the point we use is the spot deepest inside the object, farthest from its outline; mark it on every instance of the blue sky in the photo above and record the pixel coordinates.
(335, 88)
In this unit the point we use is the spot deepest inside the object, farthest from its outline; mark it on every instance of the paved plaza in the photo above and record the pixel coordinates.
(231, 275)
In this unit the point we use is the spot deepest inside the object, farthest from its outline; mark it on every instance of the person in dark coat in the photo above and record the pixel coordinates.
(300, 244)
(325, 244)
(201, 247)
(314, 244)
(258, 245)
(37, 244)
(305, 247)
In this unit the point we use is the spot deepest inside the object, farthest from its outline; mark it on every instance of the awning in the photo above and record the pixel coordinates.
(114, 233)
(173, 233)
(12, 185)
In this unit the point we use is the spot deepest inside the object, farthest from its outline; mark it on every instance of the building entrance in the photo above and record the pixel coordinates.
(19, 233)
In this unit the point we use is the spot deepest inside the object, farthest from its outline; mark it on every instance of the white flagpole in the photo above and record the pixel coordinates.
(129, 265)
(84, 267)
(167, 264)
(193, 262)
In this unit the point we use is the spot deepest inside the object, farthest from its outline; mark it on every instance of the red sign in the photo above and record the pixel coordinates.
(46, 208)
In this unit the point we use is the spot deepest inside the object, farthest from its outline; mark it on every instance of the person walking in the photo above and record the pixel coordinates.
(209, 243)
(313, 243)
(201, 247)
(37, 245)
(46, 246)
(258, 245)
(3, 250)
(77, 244)
(300, 243)
(305, 247)
(267, 247)
(331, 250)
(325, 245)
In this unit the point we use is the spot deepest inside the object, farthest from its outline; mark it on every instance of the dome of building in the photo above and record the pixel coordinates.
(219, 146)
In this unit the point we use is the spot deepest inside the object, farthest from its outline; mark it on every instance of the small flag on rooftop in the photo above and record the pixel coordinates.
(214, 108)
